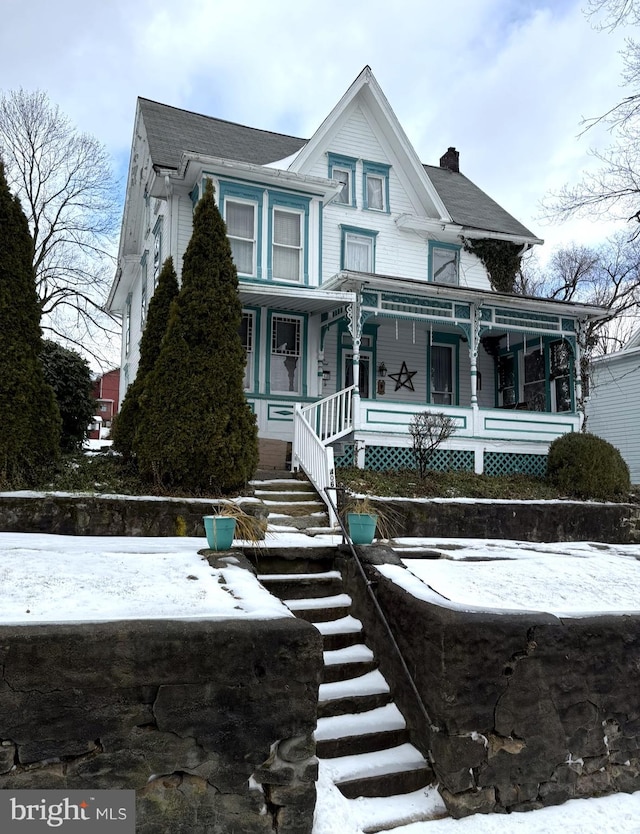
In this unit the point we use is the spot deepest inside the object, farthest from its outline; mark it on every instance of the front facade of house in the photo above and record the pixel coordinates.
(614, 402)
(363, 304)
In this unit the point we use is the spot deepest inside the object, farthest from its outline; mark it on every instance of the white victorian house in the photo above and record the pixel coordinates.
(364, 302)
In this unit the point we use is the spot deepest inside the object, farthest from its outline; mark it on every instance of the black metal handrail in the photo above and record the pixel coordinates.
(347, 538)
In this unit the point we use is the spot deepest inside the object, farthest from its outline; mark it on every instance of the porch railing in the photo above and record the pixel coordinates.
(331, 417)
(315, 426)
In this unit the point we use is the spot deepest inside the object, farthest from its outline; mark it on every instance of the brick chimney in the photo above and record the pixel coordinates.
(451, 160)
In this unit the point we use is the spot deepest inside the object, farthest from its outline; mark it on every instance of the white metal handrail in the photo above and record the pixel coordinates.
(331, 417)
(315, 459)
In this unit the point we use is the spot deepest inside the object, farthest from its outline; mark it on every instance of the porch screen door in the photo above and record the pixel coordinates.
(364, 375)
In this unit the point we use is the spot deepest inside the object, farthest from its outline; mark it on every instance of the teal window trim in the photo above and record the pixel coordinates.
(250, 194)
(347, 163)
(377, 169)
(445, 340)
(195, 195)
(299, 205)
(454, 247)
(372, 234)
(304, 318)
(254, 312)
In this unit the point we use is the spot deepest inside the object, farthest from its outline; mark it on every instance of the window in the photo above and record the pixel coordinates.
(343, 169)
(241, 230)
(358, 249)
(442, 375)
(560, 366)
(157, 251)
(534, 382)
(287, 245)
(246, 337)
(375, 183)
(143, 293)
(127, 326)
(507, 380)
(444, 263)
(285, 354)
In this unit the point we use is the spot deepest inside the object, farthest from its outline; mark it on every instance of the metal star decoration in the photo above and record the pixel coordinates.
(404, 378)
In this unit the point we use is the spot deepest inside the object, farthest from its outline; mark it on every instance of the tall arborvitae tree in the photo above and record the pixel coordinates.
(126, 421)
(69, 375)
(197, 431)
(29, 416)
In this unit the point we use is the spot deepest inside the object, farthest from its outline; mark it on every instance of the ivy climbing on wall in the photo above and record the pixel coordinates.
(501, 259)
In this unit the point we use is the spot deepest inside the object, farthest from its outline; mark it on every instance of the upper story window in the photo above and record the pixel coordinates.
(358, 249)
(444, 263)
(343, 169)
(375, 186)
(241, 229)
(287, 245)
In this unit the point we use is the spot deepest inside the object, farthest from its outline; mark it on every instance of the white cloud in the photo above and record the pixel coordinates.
(505, 82)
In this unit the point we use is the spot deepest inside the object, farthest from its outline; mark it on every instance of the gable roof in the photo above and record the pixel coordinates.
(469, 206)
(172, 131)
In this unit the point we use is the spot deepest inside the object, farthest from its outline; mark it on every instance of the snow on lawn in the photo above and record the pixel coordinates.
(568, 579)
(47, 578)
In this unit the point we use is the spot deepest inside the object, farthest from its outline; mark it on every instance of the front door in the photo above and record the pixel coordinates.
(364, 381)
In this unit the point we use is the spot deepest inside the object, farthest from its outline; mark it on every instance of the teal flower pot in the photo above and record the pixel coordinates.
(362, 527)
(219, 530)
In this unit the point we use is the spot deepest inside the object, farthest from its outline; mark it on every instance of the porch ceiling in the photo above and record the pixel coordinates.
(295, 299)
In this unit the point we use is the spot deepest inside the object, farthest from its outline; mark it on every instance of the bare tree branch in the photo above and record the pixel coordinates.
(65, 183)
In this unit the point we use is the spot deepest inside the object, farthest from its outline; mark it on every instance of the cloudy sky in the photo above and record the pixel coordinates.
(507, 82)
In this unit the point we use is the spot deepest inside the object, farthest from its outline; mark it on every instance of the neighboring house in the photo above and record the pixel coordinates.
(362, 304)
(613, 406)
(106, 393)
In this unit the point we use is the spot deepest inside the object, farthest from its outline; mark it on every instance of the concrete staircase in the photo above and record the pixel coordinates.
(292, 502)
(362, 739)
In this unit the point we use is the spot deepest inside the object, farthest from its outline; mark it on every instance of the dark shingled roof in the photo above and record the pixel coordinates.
(468, 205)
(172, 131)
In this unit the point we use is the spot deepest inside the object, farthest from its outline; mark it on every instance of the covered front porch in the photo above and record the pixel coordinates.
(505, 368)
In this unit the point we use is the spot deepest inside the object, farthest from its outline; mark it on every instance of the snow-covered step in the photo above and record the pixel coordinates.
(372, 683)
(347, 662)
(353, 695)
(382, 719)
(340, 633)
(320, 609)
(379, 814)
(303, 585)
(349, 734)
(380, 773)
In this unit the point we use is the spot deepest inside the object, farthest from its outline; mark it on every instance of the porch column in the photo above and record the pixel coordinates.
(577, 371)
(354, 323)
(474, 342)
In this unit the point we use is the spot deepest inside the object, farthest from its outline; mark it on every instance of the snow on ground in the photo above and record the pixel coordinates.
(567, 579)
(47, 578)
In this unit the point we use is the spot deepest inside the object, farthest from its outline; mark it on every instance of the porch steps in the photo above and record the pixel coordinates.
(292, 502)
(361, 737)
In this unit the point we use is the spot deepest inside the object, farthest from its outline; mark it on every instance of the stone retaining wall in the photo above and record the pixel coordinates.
(525, 710)
(535, 521)
(210, 721)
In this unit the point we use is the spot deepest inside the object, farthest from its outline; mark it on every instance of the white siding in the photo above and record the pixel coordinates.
(613, 409)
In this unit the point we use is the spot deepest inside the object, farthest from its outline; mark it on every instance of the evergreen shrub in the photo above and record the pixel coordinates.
(69, 375)
(583, 465)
